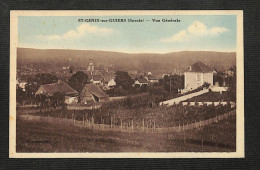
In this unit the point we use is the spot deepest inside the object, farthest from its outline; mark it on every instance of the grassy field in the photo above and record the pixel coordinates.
(221, 134)
(47, 137)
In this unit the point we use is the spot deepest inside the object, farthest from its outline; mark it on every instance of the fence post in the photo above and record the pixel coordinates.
(48, 118)
(111, 122)
(179, 127)
(93, 122)
(132, 124)
(143, 124)
(83, 120)
(154, 126)
(184, 137)
(129, 128)
(183, 126)
(202, 143)
(121, 124)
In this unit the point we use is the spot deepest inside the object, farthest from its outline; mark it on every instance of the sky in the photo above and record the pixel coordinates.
(192, 33)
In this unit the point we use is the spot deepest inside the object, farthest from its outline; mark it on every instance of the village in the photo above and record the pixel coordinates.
(102, 99)
(93, 85)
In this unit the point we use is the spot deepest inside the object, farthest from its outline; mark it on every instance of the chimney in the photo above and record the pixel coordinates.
(189, 68)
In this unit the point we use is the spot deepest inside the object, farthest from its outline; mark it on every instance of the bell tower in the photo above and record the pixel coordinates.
(90, 65)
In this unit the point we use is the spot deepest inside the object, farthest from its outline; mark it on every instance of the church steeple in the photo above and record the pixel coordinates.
(90, 65)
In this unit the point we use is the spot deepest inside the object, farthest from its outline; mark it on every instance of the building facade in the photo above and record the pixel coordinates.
(197, 75)
(71, 95)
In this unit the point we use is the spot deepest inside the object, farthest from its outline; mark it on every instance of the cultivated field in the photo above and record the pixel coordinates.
(48, 137)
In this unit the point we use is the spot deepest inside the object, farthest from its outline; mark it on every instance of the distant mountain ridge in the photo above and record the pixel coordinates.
(125, 61)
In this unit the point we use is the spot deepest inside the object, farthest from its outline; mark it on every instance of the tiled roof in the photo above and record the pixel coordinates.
(152, 77)
(95, 90)
(142, 80)
(61, 87)
(97, 77)
(200, 67)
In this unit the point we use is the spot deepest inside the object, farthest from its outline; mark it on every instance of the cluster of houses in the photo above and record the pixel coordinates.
(195, 76)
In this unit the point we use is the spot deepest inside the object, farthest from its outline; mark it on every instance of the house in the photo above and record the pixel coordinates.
(97, 79)
(152, 79)
(167, 74)
(71, 95)
(214, 71)
(92, 93)
(22, 84)
(197, 75)
(141, 81)
(111, 83)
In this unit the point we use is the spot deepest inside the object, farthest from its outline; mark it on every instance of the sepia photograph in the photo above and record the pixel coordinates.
(126, 84)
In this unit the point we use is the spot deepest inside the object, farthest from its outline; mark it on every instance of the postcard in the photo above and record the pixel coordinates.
(126, 84)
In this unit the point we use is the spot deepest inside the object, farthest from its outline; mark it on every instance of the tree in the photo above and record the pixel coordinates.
(218, 78)
(206, 84)
(41, 100)
(58, 99)
(124, 80)
(20, 95)
(78, 80)
(172, 83)
(232, 85)
(45, 78)
(33, 84)
(72, 68)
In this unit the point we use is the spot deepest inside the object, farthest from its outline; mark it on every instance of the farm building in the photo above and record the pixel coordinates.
(152, 79)
(71, 95)
(92, 93)
(97, 79)
(141, 81)
(111, 83)
(197, 75)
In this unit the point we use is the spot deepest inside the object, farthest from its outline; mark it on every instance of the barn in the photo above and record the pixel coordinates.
(141, 81)
(152, 79)
(71, 95)
(92, 93)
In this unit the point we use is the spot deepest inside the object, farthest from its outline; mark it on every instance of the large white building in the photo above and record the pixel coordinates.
(197, 75)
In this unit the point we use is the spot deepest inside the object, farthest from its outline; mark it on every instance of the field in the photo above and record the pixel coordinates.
(46, 137)
(158, 116)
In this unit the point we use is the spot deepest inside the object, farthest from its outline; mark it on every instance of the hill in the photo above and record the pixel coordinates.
(125, 61)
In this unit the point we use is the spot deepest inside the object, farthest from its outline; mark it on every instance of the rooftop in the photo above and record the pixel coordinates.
(60, 86)
(95, 90)
(200, 67)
